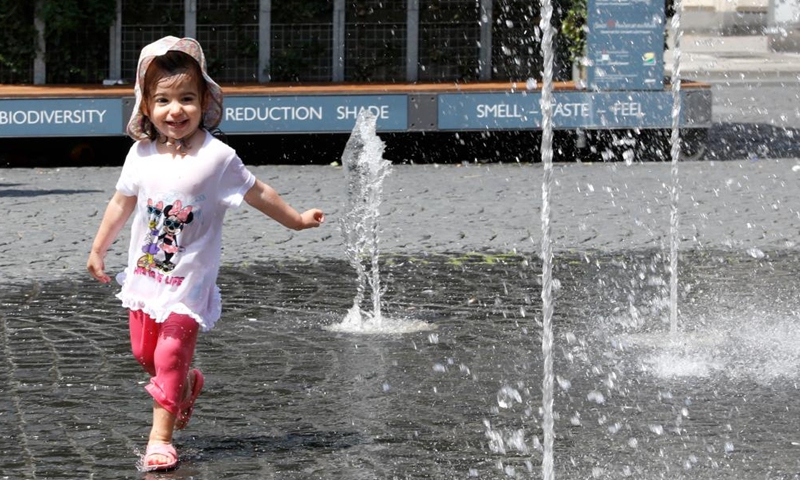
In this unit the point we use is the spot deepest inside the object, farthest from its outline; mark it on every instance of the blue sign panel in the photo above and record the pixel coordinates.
(53, 117)
(625, 45)
(573, 109)
(313, 113)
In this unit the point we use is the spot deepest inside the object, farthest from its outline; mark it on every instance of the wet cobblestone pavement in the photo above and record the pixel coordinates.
(286, 398)
(50, 216)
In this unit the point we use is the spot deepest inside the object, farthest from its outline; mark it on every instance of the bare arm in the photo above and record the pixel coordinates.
(266, 200)
(117, 213)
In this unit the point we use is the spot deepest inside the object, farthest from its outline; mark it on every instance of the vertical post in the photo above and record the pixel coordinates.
(115, 46)
(39, 63)
(485, 61)
(264, 39)
(190, 19)
(338, 40)
(412, 41)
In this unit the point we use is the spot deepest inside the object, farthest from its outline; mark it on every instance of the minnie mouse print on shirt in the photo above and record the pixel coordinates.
(164, 226)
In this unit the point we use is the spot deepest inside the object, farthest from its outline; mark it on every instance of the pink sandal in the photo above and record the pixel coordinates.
(187, 407)
(163, 449)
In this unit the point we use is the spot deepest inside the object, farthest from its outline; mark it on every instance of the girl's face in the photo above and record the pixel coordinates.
(176, 106)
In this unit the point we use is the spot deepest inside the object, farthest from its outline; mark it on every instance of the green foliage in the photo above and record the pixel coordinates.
(237, 12)
(516, 50)
(384, 65)
(153, 12)
(17, 41)
(443, 12)
(76, 34)
(76, 39)
(574, 29)
(294, 64)
(302, 11)
(68, 16)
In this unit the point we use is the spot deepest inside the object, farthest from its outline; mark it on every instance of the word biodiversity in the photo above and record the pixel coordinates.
(51, 117)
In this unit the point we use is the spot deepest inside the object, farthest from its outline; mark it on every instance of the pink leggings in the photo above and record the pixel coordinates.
(165, 351)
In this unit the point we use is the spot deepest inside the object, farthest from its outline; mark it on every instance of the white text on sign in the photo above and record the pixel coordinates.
(33, 117)
(351, 112)
(627, 109)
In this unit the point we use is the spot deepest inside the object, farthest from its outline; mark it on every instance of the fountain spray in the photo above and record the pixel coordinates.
(547, 248)
(366, 169)
(675, 152)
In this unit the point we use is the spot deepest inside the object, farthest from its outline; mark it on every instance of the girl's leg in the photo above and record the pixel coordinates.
(144, 338)
(172, 357)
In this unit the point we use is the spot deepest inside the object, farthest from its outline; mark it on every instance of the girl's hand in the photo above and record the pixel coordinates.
(97, 267)
(312, 218)
(117, 212)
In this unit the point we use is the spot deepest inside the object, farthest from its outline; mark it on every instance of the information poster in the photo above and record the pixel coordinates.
(625, 45)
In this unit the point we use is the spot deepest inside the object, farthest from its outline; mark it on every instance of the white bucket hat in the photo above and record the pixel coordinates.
(213, 110)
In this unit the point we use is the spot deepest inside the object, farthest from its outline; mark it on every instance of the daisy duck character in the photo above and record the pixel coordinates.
(150, 247)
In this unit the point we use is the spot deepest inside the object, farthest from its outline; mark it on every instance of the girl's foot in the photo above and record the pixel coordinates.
(160, 457)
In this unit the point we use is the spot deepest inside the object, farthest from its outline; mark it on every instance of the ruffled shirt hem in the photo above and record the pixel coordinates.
(160, 315)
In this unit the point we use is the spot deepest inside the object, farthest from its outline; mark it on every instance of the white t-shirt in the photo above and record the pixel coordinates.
(176, 236)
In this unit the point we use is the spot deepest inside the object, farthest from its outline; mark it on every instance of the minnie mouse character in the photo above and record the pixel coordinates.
(176, 216)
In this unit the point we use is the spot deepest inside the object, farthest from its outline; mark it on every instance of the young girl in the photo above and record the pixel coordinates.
(178, 181)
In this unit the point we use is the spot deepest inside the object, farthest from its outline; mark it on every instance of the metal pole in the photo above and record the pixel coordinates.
(338, 40)
(115, 46)
(190, 19)
(39, 63)
(485, 61)
(264, 40)
(412, 41)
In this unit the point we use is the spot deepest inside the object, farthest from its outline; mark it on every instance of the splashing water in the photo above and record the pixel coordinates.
(675, 151)
(547, 248)
(366, 169)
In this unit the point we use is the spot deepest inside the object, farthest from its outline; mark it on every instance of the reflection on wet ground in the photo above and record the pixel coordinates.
(286, 398)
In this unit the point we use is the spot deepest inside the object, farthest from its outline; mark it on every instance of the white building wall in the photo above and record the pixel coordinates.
(723, 16)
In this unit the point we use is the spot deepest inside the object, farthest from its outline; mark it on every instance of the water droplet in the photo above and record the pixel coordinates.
(597, 397)
(657, 429)
(728, 447)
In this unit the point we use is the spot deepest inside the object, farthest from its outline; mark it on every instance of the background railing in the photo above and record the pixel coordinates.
(248, 41)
